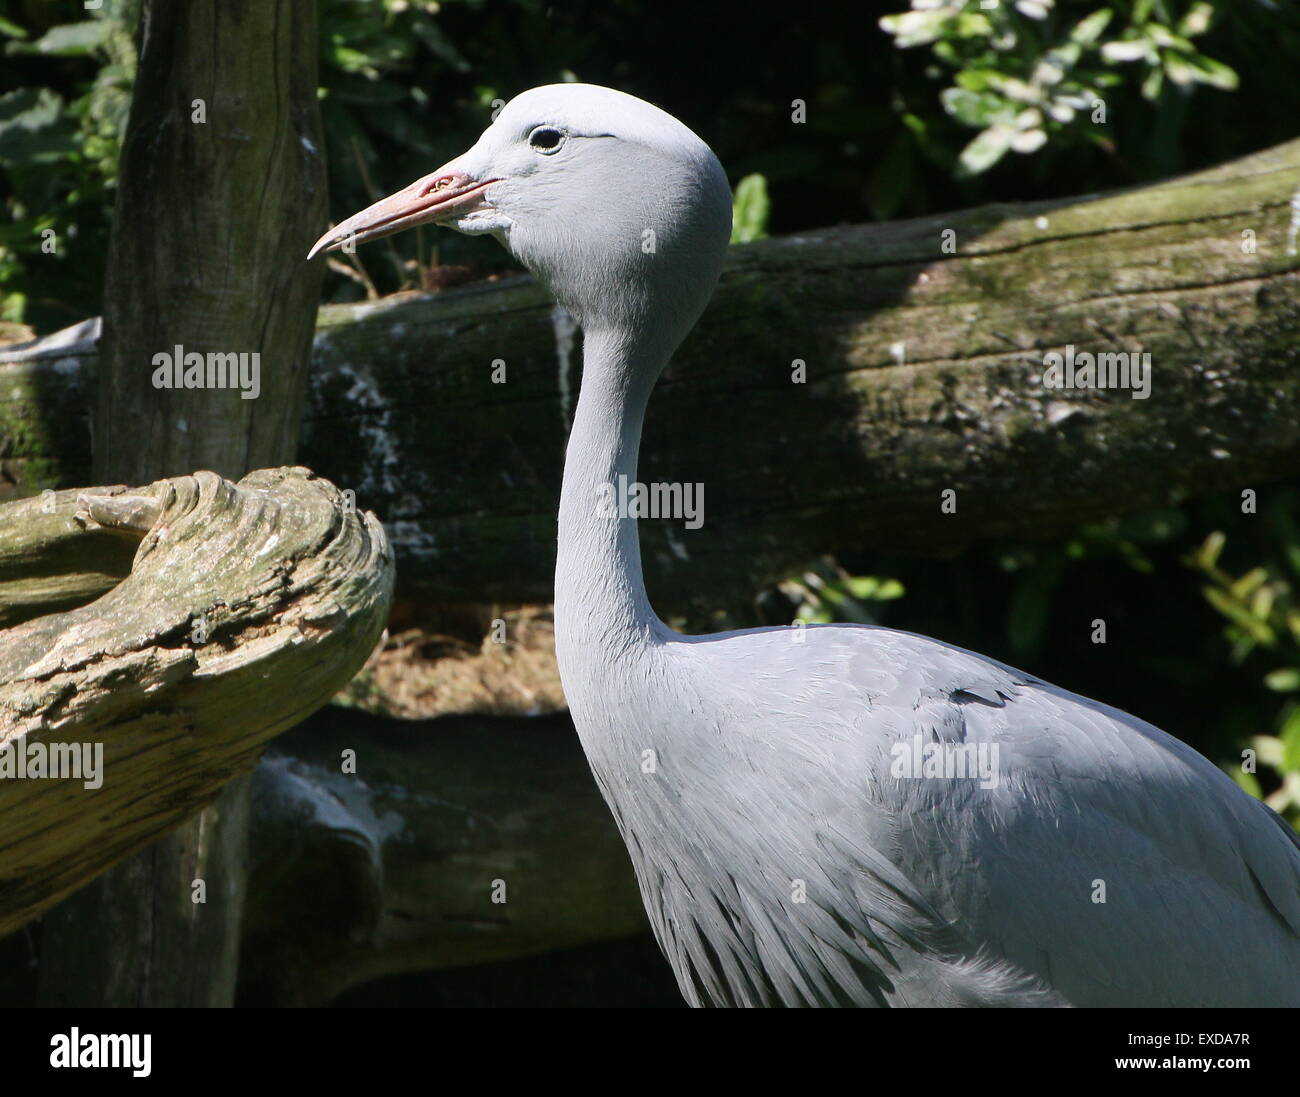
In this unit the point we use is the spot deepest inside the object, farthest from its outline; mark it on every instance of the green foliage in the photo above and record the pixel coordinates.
(750, 209)
(408, 84)
(1262, 612)
(1040, 573)
(827, 593)
(1028, 71)
(378, 60)
(58, 159)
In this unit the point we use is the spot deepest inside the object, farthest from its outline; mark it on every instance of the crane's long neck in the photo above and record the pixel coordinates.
(600, 599)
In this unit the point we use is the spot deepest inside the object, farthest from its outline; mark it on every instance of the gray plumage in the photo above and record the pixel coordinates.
(783, 856)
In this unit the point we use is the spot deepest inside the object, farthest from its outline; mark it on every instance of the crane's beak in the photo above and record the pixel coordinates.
(437, 197)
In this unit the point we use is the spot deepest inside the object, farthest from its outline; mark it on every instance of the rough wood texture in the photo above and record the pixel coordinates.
(457, 841)
(50, 562)
(222, 190)
(222, 186)
(466, 473)
(292, 586)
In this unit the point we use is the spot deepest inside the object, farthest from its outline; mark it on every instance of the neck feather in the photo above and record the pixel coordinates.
(600, 599)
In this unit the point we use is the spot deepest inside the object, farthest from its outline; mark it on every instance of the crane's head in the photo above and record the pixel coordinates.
(619, 208)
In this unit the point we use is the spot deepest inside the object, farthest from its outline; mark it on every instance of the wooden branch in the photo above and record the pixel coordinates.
(50, 560)
(456, 841)
(247, 607)
(924, 373)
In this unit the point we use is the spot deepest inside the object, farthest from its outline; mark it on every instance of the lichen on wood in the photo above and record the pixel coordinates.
(246, 607)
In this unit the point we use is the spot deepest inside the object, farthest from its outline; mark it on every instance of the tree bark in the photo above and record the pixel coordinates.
(248, 606)
(222, 181)
(222, 188)
(465, 473)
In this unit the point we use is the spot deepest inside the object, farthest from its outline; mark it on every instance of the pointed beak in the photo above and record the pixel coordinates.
(437, 197)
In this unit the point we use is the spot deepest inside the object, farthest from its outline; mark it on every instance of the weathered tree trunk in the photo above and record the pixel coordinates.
(247, 607)
(221, 182)
(222, 187)
(923, 373)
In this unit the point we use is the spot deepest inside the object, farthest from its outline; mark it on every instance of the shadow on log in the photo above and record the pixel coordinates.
(246, 607)
(458, 841)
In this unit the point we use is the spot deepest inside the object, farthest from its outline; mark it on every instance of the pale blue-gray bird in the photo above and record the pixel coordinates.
(836, 815)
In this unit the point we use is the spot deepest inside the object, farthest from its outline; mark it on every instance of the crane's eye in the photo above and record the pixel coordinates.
(545, 139)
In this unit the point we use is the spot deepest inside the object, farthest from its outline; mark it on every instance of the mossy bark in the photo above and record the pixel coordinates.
(923, 373)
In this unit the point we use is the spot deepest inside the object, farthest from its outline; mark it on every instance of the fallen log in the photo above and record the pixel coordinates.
(925, 345)
(456, 841)
(247, 607)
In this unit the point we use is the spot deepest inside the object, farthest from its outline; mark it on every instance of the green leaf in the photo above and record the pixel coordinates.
(12, 307)
(33, 129)
(932, 148)
(74, 39)
(976, 79)
(1089, 29)
(985, 151)
(1225, 604)
(1166, 39)
(1133, 49)
(971, 24)
(750, 209)
(1029, 140)
(1290, 736)
(1031, 599)
(1214, 73)
(1177, 69)
(1244, 587)
(978, 109)
(872, 588)
(916, 28)
(1152, 85)
(1283, 680)
(1197, 21)
(29, 109)
(350, 60)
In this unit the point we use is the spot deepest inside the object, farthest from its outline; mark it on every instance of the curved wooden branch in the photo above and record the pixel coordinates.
(247, 607)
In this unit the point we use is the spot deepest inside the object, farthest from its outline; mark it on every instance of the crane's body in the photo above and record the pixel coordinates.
(837, 815)
(783, 862)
